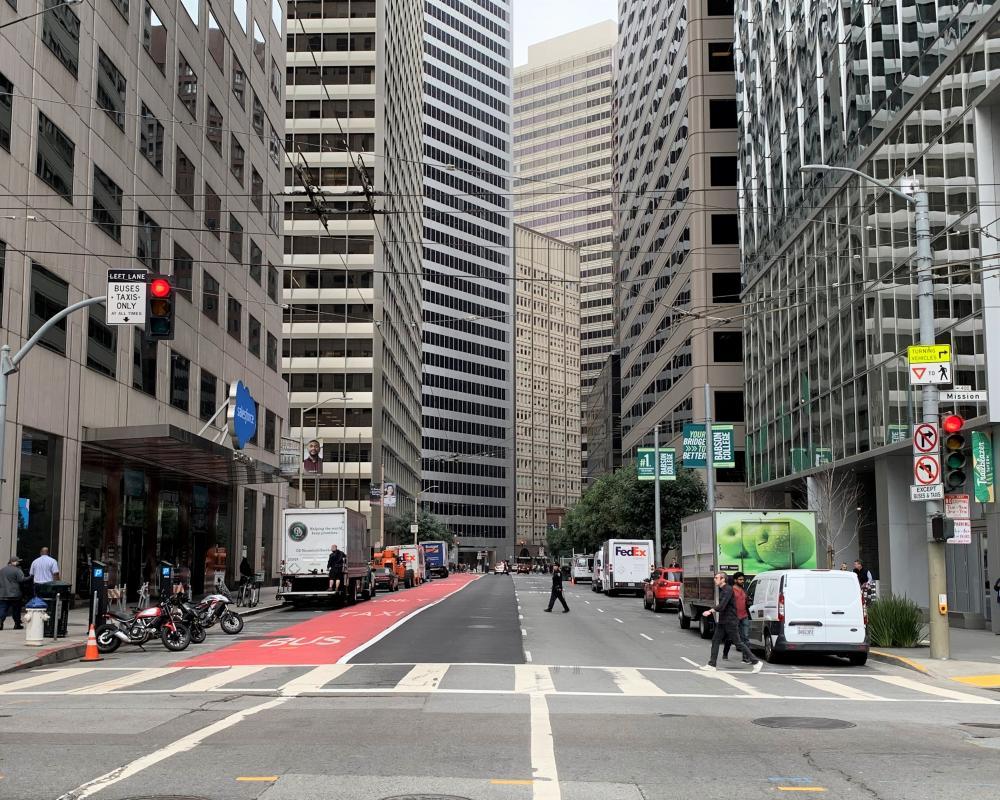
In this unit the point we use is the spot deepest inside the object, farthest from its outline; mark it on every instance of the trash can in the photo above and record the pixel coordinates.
(49, 592)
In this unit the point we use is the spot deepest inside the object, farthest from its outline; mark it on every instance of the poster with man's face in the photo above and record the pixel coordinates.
(312, 456)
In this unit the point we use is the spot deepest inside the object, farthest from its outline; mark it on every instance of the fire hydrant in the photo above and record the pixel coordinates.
(35, 616)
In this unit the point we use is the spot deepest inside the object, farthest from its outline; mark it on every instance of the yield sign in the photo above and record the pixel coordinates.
(925, 438)
(927, 469)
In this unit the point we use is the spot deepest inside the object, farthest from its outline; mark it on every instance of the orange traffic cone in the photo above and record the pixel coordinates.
(92, 653)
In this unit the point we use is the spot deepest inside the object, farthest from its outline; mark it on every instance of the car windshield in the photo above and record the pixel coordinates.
(673, 575)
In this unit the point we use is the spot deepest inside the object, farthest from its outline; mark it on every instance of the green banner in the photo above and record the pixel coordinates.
(982, 466)
(644, 463)
(723, 446)
(898, 433)
(668, 464)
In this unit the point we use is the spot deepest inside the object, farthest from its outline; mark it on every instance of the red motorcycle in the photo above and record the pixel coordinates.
(141, 627)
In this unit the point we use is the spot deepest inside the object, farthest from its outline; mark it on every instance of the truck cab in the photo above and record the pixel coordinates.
(388, 569)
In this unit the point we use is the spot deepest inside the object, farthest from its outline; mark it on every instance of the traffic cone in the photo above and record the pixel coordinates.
(92, 653)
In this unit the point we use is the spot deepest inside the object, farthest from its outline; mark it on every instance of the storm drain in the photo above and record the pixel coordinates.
(803, 723)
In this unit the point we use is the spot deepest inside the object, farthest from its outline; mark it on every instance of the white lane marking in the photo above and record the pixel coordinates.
(644, 636)
(545, 783)
(221, 678)
(527, 656)
(587, 602)
(379, 637)
(634, 683)
(836, 688)
(618, 620)
(314, 679)
(124, 681)
(182, 745)
(423, 678)
(520, 616)
(601, 610)
(532, 679)
(907, 683)
(736, 683)
(524, 631)
(43, 677)
(694, 664)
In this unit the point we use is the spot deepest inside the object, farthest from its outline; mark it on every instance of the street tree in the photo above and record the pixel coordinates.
(431, 529)
(835, 495)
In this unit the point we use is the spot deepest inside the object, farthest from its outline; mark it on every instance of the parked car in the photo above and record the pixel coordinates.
(662, 589)
(500, 568)
(807, 611)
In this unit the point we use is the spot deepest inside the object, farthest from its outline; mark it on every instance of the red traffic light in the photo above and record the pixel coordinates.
(952, 423)
(160, 287)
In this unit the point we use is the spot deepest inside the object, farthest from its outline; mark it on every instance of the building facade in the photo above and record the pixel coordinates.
(676, 231)
(548, 382)
(468, 332)
(143, 136)
(906, 93)
(352, 277)
(602, 425)
(562, 169)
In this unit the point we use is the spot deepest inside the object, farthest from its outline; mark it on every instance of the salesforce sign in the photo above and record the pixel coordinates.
(242, 415)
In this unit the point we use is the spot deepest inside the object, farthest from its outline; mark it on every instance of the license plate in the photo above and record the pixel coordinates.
(805, 630)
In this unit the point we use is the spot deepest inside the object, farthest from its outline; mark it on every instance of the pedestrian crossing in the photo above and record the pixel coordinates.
(500, 679)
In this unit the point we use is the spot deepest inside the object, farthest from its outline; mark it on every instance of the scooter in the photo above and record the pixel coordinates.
(141, 627)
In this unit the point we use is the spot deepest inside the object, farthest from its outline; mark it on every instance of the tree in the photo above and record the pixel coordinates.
(835, 495)
(431, 529)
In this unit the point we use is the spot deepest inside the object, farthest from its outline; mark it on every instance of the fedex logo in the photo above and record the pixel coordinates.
(409, 557)
(630, 551)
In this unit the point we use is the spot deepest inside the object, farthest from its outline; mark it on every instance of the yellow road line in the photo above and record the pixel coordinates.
(801, 789)
(511, 782)
(982, 681)
(265, 778)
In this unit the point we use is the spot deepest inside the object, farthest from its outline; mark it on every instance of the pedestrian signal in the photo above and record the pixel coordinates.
(160, 308)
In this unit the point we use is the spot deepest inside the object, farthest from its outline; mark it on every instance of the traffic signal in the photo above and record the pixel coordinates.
(956, 455)
(160, 308)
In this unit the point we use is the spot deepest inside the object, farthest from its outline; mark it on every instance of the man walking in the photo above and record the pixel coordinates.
(557, 593)
(44, 569)
(11, 577)
(726, 626)
(742, 615)
(335, 566)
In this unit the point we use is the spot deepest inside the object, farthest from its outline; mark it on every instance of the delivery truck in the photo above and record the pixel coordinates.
(626, 563)
(750, 541)
(414, 568)
(436, 558)
(307, 538)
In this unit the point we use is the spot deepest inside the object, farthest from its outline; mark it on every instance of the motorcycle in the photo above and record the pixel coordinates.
(204, 614)
(141, 627)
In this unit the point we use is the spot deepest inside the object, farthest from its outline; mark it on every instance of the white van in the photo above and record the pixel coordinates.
(582, 569)
(807, 611)
(597, 584)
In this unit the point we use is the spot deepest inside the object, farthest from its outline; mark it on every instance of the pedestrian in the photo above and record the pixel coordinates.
(727, 625)
(11, 578)
(742, 615)
(335, 566)
(843, 566)
(865, 581)
(557, 592)
(44, 569)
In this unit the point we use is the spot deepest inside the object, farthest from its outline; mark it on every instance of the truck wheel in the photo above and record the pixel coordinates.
(683, 619)
(704, 627)
(444, 573)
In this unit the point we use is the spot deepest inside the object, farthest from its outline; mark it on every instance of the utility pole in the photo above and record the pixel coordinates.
(709, 451)
(656, 494)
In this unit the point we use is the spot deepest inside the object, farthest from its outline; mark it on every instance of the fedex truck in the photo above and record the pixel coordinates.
(626, 564)
(414, 564)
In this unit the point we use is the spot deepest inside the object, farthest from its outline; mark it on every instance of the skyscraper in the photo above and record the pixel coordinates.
(562, 168)
(352, 278)
(468, 416)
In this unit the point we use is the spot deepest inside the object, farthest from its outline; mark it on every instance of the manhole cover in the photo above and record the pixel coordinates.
(803, 723)
(990, 725)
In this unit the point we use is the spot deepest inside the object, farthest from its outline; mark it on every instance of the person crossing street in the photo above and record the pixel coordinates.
(742, 614)
(727, 625)
(557, 591)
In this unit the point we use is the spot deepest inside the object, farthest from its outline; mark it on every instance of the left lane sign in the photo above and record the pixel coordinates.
(126, 297)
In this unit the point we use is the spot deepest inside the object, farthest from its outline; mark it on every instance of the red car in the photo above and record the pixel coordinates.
(662, 589)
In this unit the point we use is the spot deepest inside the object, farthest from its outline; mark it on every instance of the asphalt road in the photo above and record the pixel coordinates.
(603, 709)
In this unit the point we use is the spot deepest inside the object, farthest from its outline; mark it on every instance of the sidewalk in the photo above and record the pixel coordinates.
(15, 655)
(975, 658)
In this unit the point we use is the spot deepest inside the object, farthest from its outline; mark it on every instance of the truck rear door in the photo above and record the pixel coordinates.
(844, 620)
(805, 609)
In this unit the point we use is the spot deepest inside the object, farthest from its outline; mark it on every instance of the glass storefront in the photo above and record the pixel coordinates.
(38, 494)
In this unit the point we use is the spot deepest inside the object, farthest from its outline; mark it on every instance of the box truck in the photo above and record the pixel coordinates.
(626, 563)
(307, 537)
(414, 565)
(436, 558)
(750, 541)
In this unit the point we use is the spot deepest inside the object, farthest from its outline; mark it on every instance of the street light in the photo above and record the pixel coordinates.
(416, 506)
(936, 574)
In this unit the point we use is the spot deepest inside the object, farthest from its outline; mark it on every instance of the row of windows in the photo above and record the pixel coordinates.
(328, 382)
(330, 76)
(435, 381)
(463, 346)
(330, 417)
(327, 348)
(469, 109)
(475, 35)
(461, 365)
(331, 42)
(331, 9)
(330, 109)
(463, 407)
(451, 79)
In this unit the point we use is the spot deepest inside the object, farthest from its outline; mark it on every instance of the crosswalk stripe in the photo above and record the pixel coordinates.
(532, 679)
(633, 682)
(219, 679)
(42, 678)
(736, 683)
(423, 678)
(937, 691)
(124, 681)
(314, 679)
(837, 688)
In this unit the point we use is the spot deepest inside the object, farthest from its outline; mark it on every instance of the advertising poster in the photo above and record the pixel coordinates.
(389, 495)
(754, 543)
(982, 466)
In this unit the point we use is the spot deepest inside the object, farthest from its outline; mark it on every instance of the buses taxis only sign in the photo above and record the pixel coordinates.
(126, 297)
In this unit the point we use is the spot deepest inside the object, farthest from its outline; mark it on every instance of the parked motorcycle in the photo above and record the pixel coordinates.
(141, 627)
(212, 609)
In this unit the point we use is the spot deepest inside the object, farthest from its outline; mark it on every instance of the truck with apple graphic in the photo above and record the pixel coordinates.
(739, 540)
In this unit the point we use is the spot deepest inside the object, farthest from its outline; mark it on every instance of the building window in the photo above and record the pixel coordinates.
(107, 205)
(272, 282)
(122, 7)
(213, 211)
(6, 111)
(147, 241)
(240, 12)
(239, 83)
(214, 123)
(207, 395)
(270, 431)
(720, 8)
(235, 239)
(180, 379)
(193, 10)
(110, 89)
(144, 363)
(258, 44)
(256, 434)
(275, 80)
(184, 177)
(273, 213)
(737, 474)
(216, 42)
(237, 158)
(274, 147)
(728, 407)
(727, 347)
(277, 15)
(722, 114)
(183, 272)
(154, 38)
(256, 189)
(151, 138)
(54, 161)
(257, 117)
(253, 335)
(725, 229)
(61, 34)
(272, 352)
(210, 297)
(49, 296)
(187, 85)
(723, 170)
(102, 343)
(234, 318)
(256, 262)
(720, 57)
(726, 287)
(40, 488)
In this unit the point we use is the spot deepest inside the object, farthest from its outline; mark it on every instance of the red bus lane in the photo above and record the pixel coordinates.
(334, 636)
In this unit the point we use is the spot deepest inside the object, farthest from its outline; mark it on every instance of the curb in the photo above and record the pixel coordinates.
(250, 612)
(899, 661)
(53, 655)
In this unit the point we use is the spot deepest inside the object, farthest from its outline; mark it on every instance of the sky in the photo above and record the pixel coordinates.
(537, 20)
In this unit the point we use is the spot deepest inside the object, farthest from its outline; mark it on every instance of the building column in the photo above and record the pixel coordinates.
(902, 531)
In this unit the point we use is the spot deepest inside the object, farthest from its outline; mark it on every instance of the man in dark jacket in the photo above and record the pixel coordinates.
(727, 625)
(11, 578)
(557, 593)
(335, 566)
